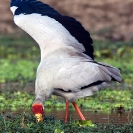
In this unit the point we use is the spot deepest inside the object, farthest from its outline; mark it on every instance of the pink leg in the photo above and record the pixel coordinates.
(66, 115)
(78, 111)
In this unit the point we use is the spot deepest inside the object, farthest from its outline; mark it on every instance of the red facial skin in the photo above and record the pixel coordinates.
(37, 109)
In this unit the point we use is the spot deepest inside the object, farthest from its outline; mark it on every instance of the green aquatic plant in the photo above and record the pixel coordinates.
(19, 60)
(25, 123)
(20, 55)
(86, 123)
(17, 71)
(105, 101)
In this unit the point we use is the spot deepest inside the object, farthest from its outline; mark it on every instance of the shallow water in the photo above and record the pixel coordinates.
(95, 117)
(116, 118)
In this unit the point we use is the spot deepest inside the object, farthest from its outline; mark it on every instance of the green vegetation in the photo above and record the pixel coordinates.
(25, 123)
(118, 54)
(19, 58)
(105, 101)
(16, 47)
(17, 71)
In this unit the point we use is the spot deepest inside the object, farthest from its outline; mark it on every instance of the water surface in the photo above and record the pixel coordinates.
(116, 118)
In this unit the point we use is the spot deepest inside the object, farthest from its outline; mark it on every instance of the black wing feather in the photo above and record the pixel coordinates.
(74, 27)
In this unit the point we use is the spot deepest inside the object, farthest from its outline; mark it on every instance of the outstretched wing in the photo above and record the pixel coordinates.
(30, 7)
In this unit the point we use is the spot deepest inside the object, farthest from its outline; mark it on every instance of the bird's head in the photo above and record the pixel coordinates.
(38, 111)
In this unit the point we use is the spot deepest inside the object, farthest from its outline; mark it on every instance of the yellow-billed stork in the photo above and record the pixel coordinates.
(67, 67)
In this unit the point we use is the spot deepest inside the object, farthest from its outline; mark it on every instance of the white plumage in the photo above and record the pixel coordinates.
(64, 68)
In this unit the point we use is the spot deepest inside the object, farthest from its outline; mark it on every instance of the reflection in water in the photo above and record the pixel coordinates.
(114, 118)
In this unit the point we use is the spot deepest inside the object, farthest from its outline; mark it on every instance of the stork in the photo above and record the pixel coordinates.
(67, 67)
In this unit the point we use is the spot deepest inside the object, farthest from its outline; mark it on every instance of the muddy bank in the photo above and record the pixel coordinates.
(110, 19)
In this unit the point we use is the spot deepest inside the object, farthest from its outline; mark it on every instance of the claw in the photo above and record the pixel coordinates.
(39, 117)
